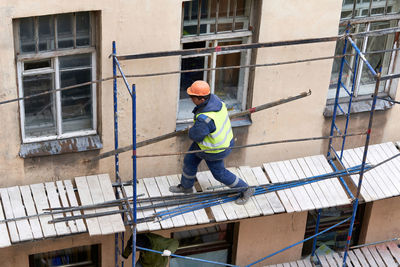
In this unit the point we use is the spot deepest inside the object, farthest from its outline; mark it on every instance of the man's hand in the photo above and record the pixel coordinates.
(166, 253)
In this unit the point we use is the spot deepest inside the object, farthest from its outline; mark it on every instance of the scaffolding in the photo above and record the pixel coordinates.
(333, 154)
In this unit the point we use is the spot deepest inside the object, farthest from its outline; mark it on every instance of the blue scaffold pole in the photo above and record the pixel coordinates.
(116, 157)
(314, 246)
(134, 174)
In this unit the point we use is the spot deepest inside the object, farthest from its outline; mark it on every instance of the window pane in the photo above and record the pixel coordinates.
(82, 29)
(27, 35)
(46, 33)
(227, 80)
(376, 43)
(37, 64)
(76, 104)
(40, 112)
(65, 34)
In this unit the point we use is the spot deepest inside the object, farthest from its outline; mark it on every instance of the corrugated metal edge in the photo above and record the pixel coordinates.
(56, 147)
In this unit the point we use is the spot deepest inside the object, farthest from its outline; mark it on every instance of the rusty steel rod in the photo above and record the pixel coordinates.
(178, 133)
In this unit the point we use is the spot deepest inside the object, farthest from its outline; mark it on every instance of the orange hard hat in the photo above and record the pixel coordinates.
(199, 88)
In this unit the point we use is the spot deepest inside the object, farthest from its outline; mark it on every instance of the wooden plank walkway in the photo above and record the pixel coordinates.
(381, 182)
(387, 254)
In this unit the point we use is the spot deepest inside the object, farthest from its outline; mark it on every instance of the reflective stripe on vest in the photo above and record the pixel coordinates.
(222, 135)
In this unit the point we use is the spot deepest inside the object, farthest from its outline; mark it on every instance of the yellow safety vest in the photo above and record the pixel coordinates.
(222, 136)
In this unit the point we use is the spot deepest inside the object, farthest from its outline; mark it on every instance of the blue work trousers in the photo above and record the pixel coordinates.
(215, 162)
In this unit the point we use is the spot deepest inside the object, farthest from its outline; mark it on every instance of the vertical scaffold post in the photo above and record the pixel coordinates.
(116, 157)
(316, 232)
(134, 173)
(364, 159)
(337, 97)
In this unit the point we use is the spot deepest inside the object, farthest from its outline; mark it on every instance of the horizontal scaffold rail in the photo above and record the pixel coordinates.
(188, 52)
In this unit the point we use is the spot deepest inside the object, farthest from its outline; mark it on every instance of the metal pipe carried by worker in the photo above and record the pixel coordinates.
(178, 133)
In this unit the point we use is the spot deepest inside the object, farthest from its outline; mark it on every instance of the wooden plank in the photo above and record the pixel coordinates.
(382, 153)
(74, 203)
(260, 200)
(289, 174)
(24, 229)
(385, 170)
(109, 195)
(348, 262)
(30, 210)
(323, 167)
(64, 203)
(325, 185)
(322, 259)
(307, 262)
(61, 227)
(369, 257)
(279, 177)
(217, 211)
(353, 259)
(40, 199)
(189, 217)
(344, 198)
(152, 189)
(386, 256)
(300, 263)
(360, 257)
(331, 260)
(293, 264)
(201, 215)
(229, 207)
(309, 189)
(97, 197)
(281, 193)
(376, 255)
(367, 176)
(272, 198)
(381, 180)
(140, 227)
(152, 225)
(339, 260)
(4, 237)
(395, 250)
(250, 206)
(316, 185)
(366, 190)
(252, 199)
(286, 264)
(12, 226)
(86, 199)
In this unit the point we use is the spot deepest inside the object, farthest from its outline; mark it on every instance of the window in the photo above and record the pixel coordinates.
(86, 256)
(211, 23)
(211, 243)
(54, 52)
(362, 10)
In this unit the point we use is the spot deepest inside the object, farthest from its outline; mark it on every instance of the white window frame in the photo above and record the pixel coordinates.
(53, 56)
(393, 62)
(212, 40)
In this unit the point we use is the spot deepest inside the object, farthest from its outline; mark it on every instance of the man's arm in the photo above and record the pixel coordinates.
(201, 128)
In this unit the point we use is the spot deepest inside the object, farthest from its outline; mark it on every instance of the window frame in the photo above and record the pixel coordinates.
(356, 18)
(245, 36)
(54, 56)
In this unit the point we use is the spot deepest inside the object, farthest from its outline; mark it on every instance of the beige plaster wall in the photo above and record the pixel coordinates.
(18, 255)
(381, 221)
(262, 236)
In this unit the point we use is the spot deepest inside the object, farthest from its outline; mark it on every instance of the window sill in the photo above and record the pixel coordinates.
(237, 122)
(360, 104)
(62, 146)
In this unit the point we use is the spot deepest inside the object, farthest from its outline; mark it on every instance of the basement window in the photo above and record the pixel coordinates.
(212, 23)
(362, 14)
(54, 52)
(85, 256)
(211, 243)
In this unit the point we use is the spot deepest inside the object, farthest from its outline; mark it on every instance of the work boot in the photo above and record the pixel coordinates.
(245, 195)
(180, 189)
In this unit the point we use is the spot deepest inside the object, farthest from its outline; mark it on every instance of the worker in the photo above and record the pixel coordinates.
(211, 130)
(154, 242)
